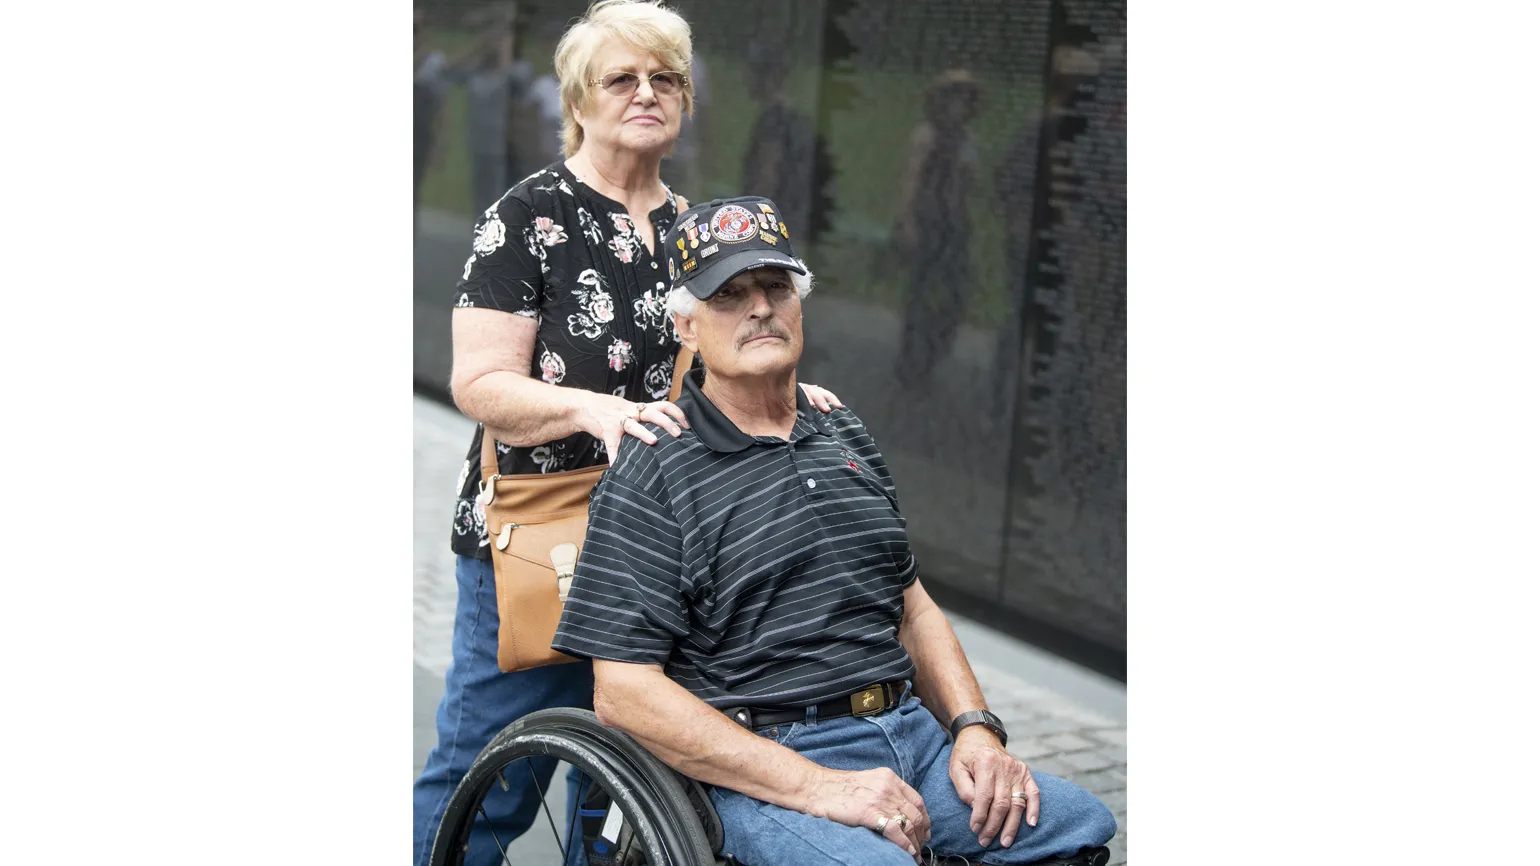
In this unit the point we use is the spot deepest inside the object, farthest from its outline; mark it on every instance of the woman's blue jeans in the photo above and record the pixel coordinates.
(480, 700)
(909, 741)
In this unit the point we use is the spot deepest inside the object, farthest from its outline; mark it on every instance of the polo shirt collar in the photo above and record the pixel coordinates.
(721, 434)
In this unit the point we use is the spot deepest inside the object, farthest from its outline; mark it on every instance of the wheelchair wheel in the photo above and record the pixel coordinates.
(665, 819)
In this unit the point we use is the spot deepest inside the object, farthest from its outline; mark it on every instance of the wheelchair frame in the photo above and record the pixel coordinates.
(669, 814)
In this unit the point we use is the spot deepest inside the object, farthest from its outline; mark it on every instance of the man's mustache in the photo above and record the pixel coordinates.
(765, 332)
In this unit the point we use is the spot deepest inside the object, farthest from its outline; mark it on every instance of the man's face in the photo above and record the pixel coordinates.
(751, 327)
(643, 120)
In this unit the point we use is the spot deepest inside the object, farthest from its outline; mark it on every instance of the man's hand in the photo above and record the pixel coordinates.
(986, 776)
(864, 798)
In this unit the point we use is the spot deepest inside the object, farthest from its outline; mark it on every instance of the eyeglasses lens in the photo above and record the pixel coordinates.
(625, 83)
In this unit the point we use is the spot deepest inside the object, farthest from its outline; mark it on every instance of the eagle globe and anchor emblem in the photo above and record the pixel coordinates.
(733, 224)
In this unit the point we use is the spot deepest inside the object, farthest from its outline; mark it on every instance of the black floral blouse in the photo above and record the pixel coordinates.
(558, 252)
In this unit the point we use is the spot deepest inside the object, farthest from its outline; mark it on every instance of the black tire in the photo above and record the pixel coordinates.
(666, 819)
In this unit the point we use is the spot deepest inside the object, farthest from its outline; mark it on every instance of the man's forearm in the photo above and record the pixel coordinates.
(943, 679)
(687, 734)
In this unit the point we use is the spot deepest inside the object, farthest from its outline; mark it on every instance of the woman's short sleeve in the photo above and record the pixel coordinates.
(507, 264)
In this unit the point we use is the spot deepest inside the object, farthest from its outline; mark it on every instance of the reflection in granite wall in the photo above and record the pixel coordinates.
(1067, 555)
(953, 172)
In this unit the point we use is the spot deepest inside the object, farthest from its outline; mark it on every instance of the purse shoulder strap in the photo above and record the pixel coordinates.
(681, 368)
(489, 445)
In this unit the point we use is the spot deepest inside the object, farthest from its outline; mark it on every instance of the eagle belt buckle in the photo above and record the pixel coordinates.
(868, 701)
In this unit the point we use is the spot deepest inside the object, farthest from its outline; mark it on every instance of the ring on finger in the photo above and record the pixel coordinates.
(903, 821)
(1018, 795)
(882, 823)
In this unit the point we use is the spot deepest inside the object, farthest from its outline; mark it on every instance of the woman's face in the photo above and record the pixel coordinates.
(642, 121)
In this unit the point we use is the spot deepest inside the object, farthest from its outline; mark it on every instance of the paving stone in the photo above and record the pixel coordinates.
(1027, 748)
(1044, 726)
(1117, 801)
(1102, 782)
(1115, 736)
(1088, 760)
(1118, 846)
(1053, 767)
(1069, 742)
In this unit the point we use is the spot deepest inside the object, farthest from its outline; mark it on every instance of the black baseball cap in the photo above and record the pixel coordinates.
(713, 242)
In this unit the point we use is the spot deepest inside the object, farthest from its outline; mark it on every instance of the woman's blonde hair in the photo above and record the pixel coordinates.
(647, 25)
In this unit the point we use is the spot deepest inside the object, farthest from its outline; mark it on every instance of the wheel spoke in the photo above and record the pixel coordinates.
(493, 830)
(555, 834)
(575, 820)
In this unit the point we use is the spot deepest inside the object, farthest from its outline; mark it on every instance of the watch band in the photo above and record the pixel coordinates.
(979, 717)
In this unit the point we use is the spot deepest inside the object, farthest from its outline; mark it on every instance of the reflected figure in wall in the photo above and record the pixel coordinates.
(492, 82)
(787, 161)
(689, 166)
(933, 224)
(533, 138)
(429, 70)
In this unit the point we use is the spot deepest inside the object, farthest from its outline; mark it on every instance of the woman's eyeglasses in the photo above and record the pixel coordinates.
(625, 83)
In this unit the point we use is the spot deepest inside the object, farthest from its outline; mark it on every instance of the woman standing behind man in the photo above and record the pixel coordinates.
(562, 346)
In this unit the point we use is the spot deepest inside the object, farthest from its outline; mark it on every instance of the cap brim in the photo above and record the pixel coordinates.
(721, 271)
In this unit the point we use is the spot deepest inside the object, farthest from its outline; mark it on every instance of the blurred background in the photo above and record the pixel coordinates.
(953, 173)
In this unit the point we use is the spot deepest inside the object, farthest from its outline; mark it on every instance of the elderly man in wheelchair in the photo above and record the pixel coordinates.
(754, 615)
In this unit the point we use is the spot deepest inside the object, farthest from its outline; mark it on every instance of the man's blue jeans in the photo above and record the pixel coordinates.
(909, 741)
(480, 700)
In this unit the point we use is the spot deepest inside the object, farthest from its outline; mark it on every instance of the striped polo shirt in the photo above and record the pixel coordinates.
(757, 571)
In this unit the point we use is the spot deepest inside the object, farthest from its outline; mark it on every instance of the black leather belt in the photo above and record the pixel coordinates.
(869, 701)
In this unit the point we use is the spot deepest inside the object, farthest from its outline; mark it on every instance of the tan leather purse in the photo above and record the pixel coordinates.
(536, 525)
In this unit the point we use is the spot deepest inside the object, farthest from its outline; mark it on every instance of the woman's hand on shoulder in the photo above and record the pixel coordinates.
(609, 418)
(822, 398)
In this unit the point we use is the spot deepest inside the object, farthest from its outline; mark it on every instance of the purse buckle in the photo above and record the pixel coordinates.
(487, 490)
(868, 701)
(564, 560)
(506, 535)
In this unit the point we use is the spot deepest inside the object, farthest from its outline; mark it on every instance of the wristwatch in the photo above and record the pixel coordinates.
(979, 717)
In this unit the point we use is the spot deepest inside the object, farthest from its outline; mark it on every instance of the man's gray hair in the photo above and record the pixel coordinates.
(682, 303)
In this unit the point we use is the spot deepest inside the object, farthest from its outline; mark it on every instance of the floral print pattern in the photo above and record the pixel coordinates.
(651, 313)
(659, 378)
(619, 354)
(536, 248)
(574, 263)
(489, 236)
(598, 308)
(552, 368)
(626, 243)
(590, 227)
(548, 232)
